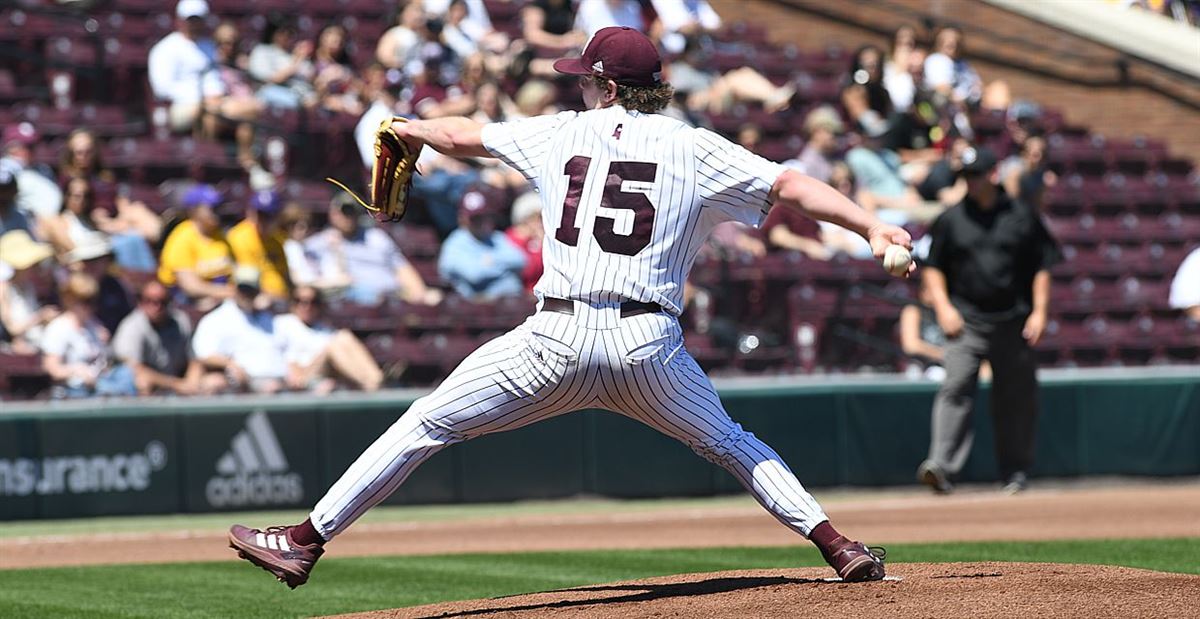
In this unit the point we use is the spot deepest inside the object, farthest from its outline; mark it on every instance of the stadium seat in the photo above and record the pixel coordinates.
(415, 242)
(22, 376)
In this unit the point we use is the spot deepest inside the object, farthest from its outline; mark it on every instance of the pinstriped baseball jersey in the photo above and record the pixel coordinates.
(628, 199)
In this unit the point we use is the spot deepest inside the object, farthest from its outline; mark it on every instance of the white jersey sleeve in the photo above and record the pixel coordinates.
(732, 180)
(524, 144)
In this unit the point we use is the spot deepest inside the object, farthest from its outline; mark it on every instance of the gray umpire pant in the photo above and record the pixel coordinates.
(1014, 397)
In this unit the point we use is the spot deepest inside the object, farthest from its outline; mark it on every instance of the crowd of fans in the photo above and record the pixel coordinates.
(895, 142)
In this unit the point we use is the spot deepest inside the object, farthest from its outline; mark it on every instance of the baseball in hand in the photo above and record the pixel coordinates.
(896, 260)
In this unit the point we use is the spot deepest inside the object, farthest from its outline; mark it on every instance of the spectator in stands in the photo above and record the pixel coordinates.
(196, 259)
(81, 158)
(22, 318)
(551, 24)
(401, 44)
(154, 342)
(866, 100)
(113, 298)
(837, 238)
(989, 282)
(466, 36)
(787, 229)
(492, 105)
(238, 339)
(11, 217)
(441, 186)
(182, 74)
(824, 127)
(526, 233)
(79, 224)
(38, 196)
(433, 91)
(898, 78)
(680, 19)
(943, 181)
(477, 259)
(1025, 175)
(257, 241)
(283, 66)
(296, 223)
(1022, 120)
(709, 90)
(474, 21)
(335, 80)
(948, 74)
(749, 137)
(230, 57)
(317, 354)
(536, 97)
(380, 104)
(593, 15)
(366, 258)
(75, 347)
(1185, 288)
(886, 166)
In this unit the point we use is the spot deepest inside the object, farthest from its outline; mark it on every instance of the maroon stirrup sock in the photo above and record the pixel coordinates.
(306, 534)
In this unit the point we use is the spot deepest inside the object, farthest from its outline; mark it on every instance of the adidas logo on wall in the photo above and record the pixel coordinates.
(255, 470)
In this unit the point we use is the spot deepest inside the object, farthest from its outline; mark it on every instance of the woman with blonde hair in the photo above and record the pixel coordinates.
(75, 349)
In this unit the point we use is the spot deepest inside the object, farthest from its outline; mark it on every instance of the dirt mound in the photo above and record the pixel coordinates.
(911, 590)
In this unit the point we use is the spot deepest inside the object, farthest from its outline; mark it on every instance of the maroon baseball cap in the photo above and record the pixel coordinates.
(21, 133)
(620, 54)
(480, 199)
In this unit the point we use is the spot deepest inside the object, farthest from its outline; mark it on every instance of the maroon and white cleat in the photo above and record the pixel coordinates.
(274, 550)
(855, 562)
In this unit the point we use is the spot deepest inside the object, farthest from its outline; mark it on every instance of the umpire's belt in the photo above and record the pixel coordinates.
(629, 309)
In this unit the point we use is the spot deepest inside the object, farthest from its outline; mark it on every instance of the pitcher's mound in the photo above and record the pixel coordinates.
(911, 590)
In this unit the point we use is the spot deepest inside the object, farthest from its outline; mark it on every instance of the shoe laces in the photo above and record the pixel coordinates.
(277, 529)
(879, 552)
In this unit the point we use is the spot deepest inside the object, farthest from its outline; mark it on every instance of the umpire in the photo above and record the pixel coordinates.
(989, 281)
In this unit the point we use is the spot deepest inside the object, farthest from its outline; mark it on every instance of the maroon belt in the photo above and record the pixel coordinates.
(629, 309)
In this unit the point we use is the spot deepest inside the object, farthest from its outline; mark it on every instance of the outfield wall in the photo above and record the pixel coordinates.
(198, 455)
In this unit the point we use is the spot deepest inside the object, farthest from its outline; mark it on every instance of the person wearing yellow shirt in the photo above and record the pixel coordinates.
(257, 242)
(196, 259)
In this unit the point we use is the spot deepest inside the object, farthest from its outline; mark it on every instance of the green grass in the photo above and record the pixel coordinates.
(236, 589)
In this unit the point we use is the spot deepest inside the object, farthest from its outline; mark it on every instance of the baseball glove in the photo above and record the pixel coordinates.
(391, 177)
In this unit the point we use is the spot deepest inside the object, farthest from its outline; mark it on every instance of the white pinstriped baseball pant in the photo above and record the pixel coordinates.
(556, 363)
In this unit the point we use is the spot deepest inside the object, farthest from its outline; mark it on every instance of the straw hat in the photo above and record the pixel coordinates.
(19, 251)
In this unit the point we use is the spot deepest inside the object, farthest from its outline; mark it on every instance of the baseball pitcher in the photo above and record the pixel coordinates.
(628, 197)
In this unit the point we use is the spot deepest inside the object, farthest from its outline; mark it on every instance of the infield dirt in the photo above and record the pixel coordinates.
(913, 590)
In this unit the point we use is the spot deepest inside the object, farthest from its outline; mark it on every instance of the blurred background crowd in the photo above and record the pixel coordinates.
(189, 247)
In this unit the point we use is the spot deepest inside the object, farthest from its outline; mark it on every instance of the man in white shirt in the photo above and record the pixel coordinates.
(38, 195)
(1185, 288)
(683, 18)
(240, 340)
(180, 71)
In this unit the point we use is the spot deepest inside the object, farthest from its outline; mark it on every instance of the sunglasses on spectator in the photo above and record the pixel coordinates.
(155, 300)
(307, 301)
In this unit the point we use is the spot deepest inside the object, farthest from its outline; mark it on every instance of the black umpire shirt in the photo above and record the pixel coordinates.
(989, 257)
